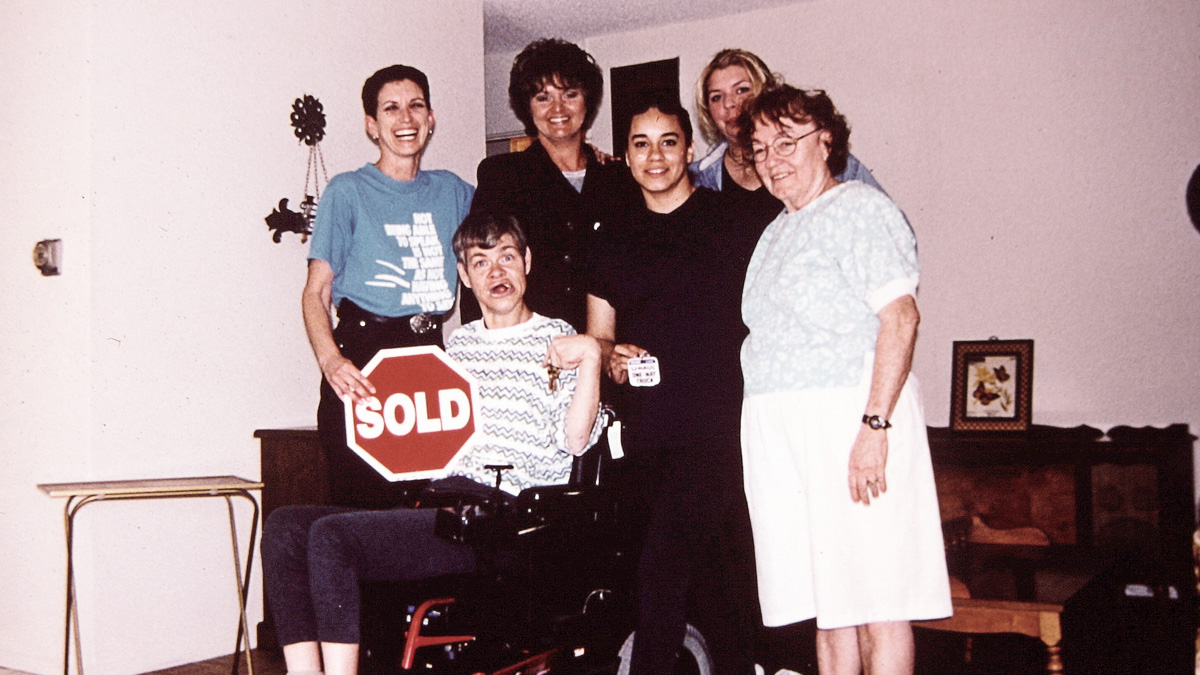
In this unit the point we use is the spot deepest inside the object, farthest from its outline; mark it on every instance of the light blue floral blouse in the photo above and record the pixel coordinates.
(815, 285)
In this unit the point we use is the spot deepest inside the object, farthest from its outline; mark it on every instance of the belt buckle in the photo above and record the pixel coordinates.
(422, 323)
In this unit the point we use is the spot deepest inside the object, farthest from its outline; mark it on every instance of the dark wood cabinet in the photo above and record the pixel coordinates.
(1126, 491)
(293, 468)
(293, 472)
(1079, 485)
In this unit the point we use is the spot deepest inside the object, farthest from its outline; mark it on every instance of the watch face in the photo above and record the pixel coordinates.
(875, 423)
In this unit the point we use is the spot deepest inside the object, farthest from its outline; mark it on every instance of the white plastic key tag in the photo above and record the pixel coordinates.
(643, 372)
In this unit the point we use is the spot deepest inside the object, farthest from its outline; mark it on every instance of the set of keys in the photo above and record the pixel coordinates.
(552, 371)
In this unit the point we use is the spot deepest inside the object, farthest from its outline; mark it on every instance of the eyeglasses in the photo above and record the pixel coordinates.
(783, 146)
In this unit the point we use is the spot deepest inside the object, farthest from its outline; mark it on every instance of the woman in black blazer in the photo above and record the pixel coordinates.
(557, 187)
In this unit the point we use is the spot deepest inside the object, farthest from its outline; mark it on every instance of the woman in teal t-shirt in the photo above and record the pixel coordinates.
(381, 254)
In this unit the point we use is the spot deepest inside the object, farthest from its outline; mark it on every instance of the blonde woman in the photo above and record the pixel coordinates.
(733, 77)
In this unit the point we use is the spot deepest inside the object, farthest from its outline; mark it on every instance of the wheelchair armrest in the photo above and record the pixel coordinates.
(587, 468)
(535, 509)
(501, 520)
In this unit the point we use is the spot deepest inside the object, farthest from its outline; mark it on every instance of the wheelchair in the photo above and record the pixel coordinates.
(553, 592)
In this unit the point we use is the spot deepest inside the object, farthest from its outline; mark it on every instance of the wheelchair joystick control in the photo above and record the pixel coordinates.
(499, 469)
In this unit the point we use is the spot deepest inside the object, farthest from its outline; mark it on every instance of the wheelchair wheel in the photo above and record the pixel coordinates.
(694, 658)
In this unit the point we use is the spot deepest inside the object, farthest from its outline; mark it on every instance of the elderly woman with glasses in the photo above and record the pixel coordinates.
(837, 469)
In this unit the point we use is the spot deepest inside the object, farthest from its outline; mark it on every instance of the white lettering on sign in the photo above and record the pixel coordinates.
(424, 424)
(370, 424)
(399, 414)
(455, 409)
(398, 427)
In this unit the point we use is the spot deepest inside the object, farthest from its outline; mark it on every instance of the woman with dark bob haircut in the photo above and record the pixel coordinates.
(358, 266)
(363, 240)
(836, 461)
(557, 187)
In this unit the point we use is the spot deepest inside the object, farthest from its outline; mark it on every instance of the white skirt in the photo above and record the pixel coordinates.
(819, 553)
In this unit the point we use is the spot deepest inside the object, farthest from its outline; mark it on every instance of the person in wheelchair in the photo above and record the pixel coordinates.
(539, 406)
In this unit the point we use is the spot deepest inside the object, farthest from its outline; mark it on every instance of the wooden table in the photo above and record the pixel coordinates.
(1027, 611)
(1035, 619)
(80, 494)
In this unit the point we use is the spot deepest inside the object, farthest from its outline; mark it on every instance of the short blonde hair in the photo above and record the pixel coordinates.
(760, 78)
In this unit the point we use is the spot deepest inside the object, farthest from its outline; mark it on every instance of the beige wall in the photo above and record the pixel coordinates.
(154, 139)
(1041, 151)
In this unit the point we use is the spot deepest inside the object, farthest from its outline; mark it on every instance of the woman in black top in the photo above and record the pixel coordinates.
(557, 188)
(666, 283)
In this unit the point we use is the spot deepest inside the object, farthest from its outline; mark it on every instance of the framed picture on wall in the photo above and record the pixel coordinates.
(992, 385)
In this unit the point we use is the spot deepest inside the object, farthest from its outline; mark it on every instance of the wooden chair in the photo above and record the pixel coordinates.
(980, 533)
(975, 616)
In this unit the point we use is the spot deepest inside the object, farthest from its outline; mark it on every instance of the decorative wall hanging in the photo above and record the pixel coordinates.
(308, 121)
(992, 385)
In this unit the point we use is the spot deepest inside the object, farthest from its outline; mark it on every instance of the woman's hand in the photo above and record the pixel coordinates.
(602, 325)
(339, 371)
(602, 156)
(898, 322)
(618, 361)
(868, 464)
(346, 379)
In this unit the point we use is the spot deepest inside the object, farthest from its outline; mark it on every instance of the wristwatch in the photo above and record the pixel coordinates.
(876, 423)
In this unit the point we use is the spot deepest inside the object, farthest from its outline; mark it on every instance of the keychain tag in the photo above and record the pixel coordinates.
(643, 372)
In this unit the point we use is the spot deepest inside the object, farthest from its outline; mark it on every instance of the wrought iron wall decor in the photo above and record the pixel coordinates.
(308, 123)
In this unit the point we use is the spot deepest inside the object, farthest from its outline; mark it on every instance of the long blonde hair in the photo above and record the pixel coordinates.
(760, 78)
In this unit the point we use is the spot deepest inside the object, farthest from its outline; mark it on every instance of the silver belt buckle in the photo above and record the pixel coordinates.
(421, 323)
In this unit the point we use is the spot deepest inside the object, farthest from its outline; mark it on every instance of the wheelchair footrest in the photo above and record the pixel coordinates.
(414, 640)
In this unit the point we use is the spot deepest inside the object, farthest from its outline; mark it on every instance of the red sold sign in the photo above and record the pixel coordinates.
(422, 415)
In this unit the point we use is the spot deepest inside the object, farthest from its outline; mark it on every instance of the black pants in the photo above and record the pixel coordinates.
(359, 335)
(314, 558)
(696, 546)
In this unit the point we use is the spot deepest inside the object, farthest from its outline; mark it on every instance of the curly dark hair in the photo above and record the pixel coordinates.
(558, 62)
(396, 73)
(798, 106)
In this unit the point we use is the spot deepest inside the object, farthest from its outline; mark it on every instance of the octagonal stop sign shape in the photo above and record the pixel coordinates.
(421, 417)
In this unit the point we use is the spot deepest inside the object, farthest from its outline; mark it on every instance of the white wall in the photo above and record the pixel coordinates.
(154, 139)
(45, 411)
(1041, 151)
(501, 122)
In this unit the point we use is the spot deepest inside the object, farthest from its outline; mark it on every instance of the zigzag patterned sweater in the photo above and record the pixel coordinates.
(523, 423)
